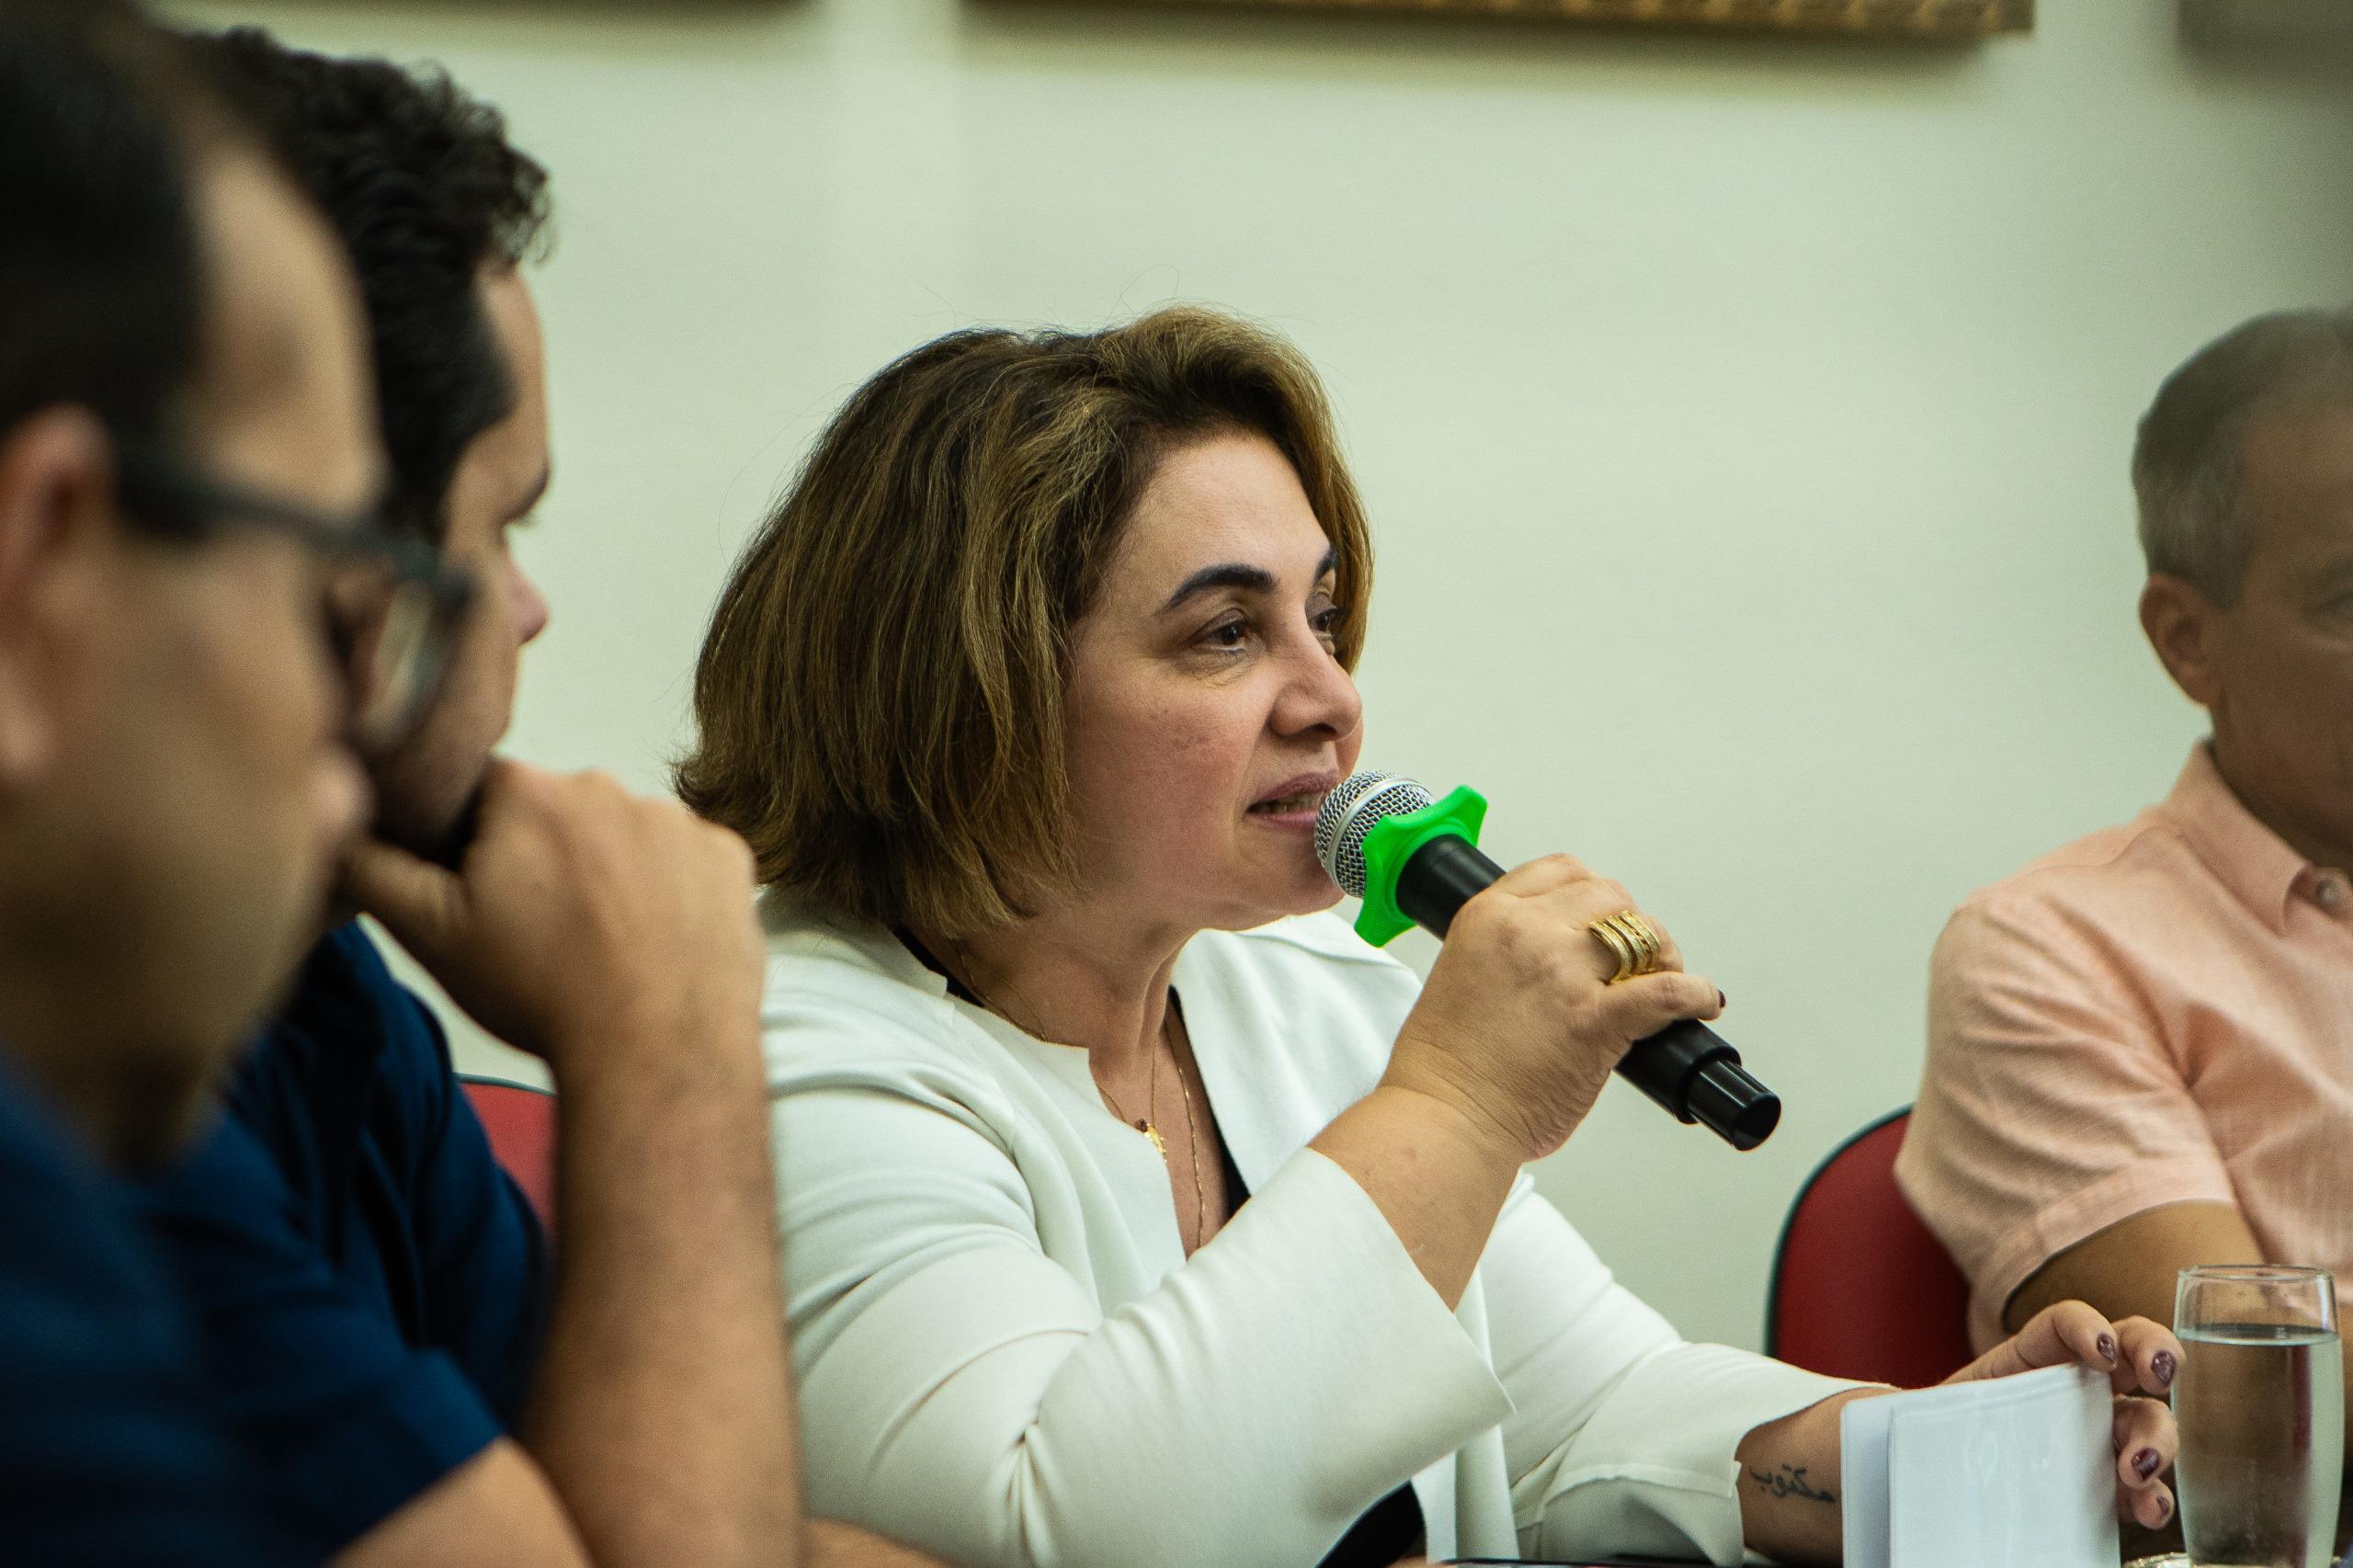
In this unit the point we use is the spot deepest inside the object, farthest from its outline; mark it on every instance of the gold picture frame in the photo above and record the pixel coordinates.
(1900, 19)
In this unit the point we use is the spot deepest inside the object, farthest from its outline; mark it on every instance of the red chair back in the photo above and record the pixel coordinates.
(520, 1121)
(1861, 1288)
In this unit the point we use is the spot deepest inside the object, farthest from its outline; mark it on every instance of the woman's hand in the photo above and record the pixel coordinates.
(1514, 1036)
(2137, 1357)
(1801, 1523)
(1516, 1029)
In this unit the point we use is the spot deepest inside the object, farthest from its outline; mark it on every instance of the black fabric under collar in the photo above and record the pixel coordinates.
(924, 956)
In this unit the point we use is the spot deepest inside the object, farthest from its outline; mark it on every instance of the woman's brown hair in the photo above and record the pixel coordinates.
(879, 698)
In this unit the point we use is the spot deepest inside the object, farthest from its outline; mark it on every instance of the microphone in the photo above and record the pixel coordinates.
(1416, 861)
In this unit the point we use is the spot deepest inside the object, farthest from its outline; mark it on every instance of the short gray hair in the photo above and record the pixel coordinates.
(2186, 463)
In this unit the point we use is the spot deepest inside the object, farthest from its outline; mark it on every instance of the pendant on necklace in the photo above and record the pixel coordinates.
(1149, 1130)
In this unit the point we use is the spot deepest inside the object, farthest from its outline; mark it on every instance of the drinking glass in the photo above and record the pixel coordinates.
(2261, 1404)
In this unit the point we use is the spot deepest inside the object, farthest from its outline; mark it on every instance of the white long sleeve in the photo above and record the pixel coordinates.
(965, 1393)
(1621, 1438)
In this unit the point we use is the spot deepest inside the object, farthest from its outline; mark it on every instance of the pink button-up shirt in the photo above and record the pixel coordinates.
(2160, 1013)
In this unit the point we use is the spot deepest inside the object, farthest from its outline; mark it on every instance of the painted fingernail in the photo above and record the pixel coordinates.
(1720, 997)
(2107, 1347)
(2163, 1367)
(2165, 1507)
(2144, 1464)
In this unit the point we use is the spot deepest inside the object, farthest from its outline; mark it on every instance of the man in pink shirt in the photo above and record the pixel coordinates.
(2140, 1047)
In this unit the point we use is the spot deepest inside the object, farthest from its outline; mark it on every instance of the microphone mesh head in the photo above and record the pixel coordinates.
(1349, 813)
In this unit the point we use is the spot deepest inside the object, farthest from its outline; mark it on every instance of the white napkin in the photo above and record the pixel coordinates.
(2017, 1473)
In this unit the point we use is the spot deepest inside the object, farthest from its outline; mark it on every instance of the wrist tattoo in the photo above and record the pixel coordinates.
(1789, 1482)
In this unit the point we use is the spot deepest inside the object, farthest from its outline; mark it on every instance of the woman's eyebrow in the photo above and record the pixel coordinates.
(1231, 574)
(1234, 575)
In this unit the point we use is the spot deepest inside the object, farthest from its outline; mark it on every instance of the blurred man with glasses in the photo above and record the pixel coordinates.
(189, 563)
(388, 1333)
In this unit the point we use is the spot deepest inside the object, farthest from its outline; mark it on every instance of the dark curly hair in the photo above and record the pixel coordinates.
(421, 183)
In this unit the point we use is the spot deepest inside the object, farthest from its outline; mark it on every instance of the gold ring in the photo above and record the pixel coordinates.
(1630, 940)
(1609, 936)
(1647, 944)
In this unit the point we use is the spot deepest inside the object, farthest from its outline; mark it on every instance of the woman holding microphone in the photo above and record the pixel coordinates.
(1135, 1211)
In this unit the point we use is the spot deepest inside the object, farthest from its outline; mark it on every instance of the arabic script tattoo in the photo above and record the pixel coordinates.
(1789, 1482)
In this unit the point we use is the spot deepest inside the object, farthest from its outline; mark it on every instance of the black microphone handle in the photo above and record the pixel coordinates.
(1689, 1070)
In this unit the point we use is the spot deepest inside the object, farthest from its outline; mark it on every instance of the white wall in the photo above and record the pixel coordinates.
(1745, 421)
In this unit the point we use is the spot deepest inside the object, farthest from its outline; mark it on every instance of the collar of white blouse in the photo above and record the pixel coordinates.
(1258, 1141)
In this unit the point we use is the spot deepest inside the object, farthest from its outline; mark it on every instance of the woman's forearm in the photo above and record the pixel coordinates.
(1790, 1485)
(1434, 1176)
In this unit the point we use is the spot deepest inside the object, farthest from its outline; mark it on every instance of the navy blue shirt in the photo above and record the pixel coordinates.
(108, 1454)
(367, 1283)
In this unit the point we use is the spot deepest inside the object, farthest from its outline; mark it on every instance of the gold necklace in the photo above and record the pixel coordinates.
(1149, 1125)
(1192, 1133)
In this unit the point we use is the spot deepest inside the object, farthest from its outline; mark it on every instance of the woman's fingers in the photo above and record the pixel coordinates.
(2139, 1356)
(1638, 1009)
(2135, 1354)
(2150, 1357)
(1543, 875)
(2146, 1442)
(2070, 1333)
(1572, 899)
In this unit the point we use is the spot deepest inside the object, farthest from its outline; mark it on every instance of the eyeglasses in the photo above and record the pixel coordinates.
(393, 607)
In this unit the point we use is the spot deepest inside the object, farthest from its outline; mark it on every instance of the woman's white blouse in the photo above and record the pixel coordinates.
(1005, 1358)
